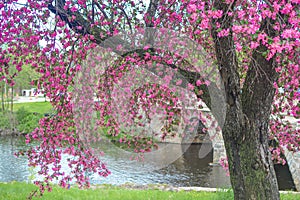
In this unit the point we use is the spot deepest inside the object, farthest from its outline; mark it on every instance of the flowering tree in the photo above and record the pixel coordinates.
(252, 45)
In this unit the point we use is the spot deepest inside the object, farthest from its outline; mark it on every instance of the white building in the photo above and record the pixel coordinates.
(33, 92)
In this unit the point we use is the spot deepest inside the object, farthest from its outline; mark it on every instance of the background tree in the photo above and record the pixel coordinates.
(255, 45)
(26, 79)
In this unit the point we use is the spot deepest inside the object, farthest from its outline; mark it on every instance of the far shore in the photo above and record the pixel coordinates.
(11, 132)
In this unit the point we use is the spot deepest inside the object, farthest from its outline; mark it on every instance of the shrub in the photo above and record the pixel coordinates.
(5, 120)
(21, 114)
(29, 123)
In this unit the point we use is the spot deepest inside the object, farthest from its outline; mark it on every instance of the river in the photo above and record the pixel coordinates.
(186, 170)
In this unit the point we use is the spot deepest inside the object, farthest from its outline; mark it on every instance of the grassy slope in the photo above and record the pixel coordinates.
(16, 190)
(38, 107)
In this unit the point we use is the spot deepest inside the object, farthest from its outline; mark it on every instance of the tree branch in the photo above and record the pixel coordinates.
(79, 24)
(258, 90)
(226, 56)
(150, 14)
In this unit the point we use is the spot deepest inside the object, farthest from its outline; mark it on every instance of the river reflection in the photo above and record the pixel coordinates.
(186, 170)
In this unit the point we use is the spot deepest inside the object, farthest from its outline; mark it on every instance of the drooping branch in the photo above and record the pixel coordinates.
(114, 42)
(213, 91)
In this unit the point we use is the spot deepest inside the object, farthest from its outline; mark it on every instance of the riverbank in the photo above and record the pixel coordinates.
(24, 119)
(19, 190)
(11, 132)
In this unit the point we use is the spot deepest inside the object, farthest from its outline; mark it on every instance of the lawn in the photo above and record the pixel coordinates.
(17, 190)
(38, 107)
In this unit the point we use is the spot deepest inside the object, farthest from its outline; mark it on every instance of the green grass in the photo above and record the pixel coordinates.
(17, 190)
(38, 107)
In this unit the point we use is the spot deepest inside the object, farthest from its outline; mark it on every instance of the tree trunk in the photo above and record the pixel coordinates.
(245, 131)
(2, 96)
(251, 168)
(12, 99)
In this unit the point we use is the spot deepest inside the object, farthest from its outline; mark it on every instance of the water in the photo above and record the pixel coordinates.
(187, 170)
(12, 168)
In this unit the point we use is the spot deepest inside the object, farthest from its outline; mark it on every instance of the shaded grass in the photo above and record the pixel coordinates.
(37, 107)
(17, 190)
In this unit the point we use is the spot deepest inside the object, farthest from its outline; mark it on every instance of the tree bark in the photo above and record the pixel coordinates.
(251, 169)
